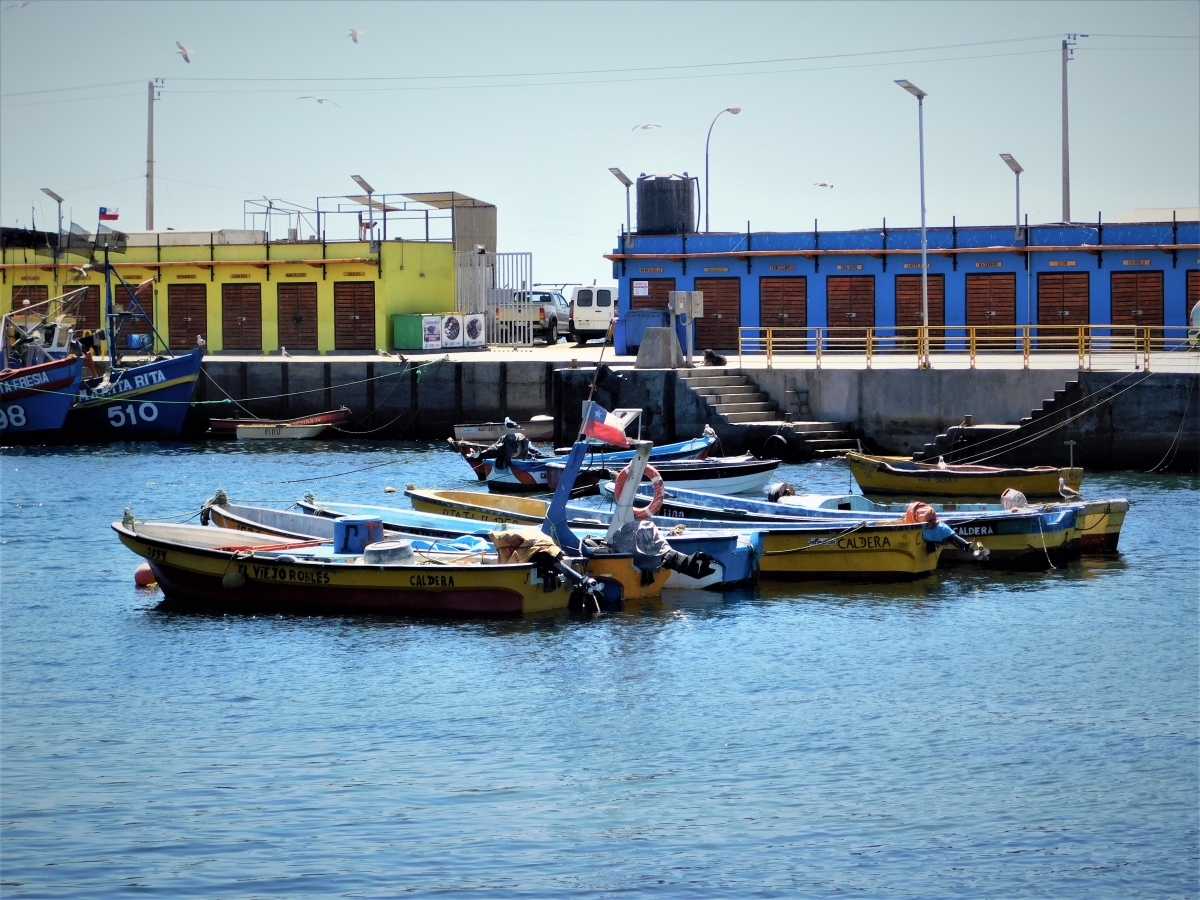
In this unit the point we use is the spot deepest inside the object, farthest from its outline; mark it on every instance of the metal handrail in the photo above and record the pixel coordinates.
(1085, 342)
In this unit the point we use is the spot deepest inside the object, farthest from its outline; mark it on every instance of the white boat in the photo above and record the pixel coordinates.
(539, 428)
(278, 432)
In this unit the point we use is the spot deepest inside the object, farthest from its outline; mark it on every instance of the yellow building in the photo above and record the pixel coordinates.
(241, 293)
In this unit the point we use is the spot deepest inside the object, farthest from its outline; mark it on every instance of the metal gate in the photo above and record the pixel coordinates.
(497, 285)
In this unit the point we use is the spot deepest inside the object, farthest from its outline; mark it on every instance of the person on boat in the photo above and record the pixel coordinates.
(512, 445)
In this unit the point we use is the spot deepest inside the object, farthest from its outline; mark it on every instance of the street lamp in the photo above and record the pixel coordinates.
(1016, 170)
(624, 179)
(59, 200)
(921, 95)
(732, 110)
(362, 183)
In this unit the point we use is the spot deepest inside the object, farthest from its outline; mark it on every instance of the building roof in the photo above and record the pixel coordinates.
(447, 200)
(1159, 214)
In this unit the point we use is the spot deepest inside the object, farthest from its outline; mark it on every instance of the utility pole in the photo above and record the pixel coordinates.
(1068, 53)
(150, 98)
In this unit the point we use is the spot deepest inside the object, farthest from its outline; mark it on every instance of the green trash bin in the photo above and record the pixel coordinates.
(419, 331)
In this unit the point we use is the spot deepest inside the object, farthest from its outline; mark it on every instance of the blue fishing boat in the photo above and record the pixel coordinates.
(147, 401)
(34, 399)
(1024, 538)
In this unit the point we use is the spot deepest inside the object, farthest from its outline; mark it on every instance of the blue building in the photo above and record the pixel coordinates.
(1057, 274)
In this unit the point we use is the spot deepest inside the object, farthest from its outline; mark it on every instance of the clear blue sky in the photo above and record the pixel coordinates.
(539, 145)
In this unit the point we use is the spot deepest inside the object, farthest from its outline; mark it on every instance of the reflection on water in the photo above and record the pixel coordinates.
(973, 733)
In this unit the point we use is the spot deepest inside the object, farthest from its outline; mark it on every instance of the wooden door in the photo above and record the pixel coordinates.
(298, 316)
(659, 296)
(783, 302)
(1137, 298)
(187, 315)
(1062, 298)
(354, 315)
(241, 317)
(992, 300)
(718, 328)
(84, 305)
(910, 312)
(1193, 291)
(850, 308)
(34, 293)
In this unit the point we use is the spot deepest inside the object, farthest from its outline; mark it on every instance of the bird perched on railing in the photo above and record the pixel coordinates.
(1067, 493)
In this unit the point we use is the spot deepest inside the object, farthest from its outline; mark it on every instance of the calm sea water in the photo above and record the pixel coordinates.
(971, 735)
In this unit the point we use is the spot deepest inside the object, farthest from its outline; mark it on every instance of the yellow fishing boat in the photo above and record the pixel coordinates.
(1098, 526)
(479, 506)
(900, 475)
(852, 550)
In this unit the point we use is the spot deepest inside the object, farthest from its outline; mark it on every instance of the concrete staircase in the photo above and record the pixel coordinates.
(957, 440)
(734, 399)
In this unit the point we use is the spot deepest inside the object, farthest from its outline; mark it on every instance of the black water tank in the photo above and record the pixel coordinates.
(665, 204)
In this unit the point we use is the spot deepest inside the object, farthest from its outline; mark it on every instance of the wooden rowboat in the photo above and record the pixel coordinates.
(229, 427)
(264, 432)
(899, 475)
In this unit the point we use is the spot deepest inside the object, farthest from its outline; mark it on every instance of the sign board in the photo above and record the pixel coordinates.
(1062, 262)
(1135, 262)
(641, 289)
(989, 265)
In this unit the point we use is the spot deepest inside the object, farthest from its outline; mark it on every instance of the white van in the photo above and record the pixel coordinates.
(592, 311)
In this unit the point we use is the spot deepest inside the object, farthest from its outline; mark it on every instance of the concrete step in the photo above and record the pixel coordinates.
(700, 384)
(841, 443)
(762, 406)
(743, 418)
(838, 435)
(719, 400)
(730, 389)
(820, 426)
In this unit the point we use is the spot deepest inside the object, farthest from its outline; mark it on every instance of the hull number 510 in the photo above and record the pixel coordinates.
(119, 416)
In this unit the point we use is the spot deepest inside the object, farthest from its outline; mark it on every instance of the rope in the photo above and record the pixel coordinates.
(1045, 549)
(1172, 449)
(832, 540)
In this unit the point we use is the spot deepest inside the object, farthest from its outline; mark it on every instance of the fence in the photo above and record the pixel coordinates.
(497, 285)
(1092, 346)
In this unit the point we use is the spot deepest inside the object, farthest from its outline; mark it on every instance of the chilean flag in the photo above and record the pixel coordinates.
(109, 215)
(604, 426)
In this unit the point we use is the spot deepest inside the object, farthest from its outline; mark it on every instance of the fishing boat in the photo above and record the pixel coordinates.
(1031, 538)
(899, 475)
(147, 401)
(717, 475)
(539, 428)
(299, 428)
(530, 475)
(34, 399)
(227, 569)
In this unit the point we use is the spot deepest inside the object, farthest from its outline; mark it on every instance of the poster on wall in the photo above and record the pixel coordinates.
(452, 331)
(431, 332)
(473, 330)
(641, 289)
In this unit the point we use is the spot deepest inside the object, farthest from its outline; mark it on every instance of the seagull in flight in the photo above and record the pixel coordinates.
(321, 100)
(644, 127)
(355, 34)
(17, 6)
(184, 52)
(828, 184)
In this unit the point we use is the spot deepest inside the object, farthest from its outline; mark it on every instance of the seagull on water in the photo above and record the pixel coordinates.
(828, 184)
(321, 100)
(644, 127)
(1067, 493)
(355, 34)
(184, 52)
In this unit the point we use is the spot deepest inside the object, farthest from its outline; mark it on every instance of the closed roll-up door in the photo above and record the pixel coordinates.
(909, 311)
(718, 328)
(34, 293)
(298, 316)
(187, 315)
(1193, 291)
(1137, 298)
(659, 296)
(241, 317)
(783, 302)
(1062, 298)
(850, 304)
(84, 305)
(992, 300)
(354, 315)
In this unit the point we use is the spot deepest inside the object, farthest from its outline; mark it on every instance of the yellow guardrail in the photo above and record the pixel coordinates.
(1085, 342)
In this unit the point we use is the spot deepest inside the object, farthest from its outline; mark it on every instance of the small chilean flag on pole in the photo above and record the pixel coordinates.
(604, 426)
(109, 215)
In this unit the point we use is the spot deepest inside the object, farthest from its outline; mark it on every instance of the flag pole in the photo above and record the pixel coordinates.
(596, 377)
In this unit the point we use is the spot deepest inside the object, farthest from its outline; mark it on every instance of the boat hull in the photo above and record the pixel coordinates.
(738, 475)
(34, 400)
(228, 427)
(857, 553)
(878, 475)
(279, 432)
(195, 576)
(540, 428)
(147, 402)
(1099, 529)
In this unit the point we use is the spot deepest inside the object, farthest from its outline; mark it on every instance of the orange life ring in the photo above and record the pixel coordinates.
(644, 512)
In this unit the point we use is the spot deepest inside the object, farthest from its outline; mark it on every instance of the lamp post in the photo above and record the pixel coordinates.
(732, 110)
(624, 179)
(362, 183)
(1016, 170)
(57, 244)
(921, 95)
